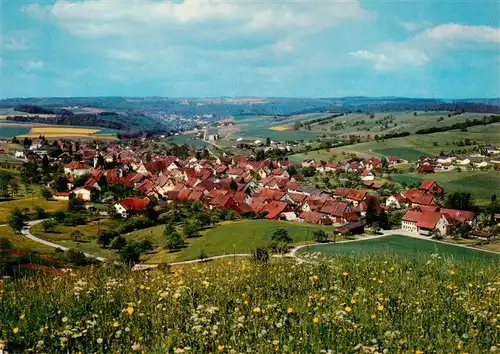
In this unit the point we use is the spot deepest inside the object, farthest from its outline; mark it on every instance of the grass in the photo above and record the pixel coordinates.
(244, 236)
(403, 153)
(402, 246)
(30, 203)
(344, 305)
(62, 236)
(22, 243)
(226, 238)
(481, 184)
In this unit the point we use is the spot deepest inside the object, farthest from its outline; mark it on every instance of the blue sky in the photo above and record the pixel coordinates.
(425, 48)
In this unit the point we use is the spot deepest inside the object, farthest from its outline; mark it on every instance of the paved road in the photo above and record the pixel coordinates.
(27, 233)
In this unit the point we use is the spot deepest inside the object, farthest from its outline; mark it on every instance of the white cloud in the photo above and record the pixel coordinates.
(413, 26)
(32, 65)
(111, 18)
(455, 32)
(428, 44)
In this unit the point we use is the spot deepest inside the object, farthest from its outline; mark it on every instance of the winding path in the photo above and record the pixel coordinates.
(26, 231)
(292, 253)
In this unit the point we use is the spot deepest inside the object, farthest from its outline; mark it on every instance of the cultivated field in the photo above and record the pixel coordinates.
(362, 304)
(402, 246)
(410, 147)
(361, 123)
(481, 184)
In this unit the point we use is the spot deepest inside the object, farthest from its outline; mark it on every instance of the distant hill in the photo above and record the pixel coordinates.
(144, 113)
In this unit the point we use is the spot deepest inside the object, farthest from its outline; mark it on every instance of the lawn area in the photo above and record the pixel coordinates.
(244, 236)
(403, 246)
(62, 236)
(482, 184)
(50, 206)
(227, 237)
(22, 243)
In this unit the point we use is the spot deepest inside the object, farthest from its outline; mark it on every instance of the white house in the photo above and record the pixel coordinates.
(82, 193)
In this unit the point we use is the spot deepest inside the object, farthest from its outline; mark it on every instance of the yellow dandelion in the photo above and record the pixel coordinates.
(353, 301)
(245, 302)
(256, 309)
(289, 310)
(220, 347)
(142, 287)
(373, 316)
(380, 308)
(419, 352)
(315, 278)
(116, 324)
(130, 310)
(15, 330)
(180, 282)
(345, 274)
(347, 309)
(470, 285)
(315, 320)
(452, 271)
(323, 298)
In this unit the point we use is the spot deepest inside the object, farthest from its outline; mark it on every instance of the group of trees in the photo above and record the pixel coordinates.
(462, 126)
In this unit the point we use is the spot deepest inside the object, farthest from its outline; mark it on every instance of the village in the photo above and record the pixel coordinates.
(269, 189)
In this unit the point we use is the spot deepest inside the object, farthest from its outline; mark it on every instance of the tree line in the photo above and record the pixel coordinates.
(462, 126)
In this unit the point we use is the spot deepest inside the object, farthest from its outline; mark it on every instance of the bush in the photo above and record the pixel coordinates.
(49, 225)
(320, 236)
(174, 241)
(76, 258)
(104, 237)
(130, 254)
(260, 254)
(118, 243)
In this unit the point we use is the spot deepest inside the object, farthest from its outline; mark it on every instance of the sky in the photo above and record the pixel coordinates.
(273, 48)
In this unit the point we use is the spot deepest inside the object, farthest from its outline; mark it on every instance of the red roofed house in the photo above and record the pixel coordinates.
(355, 196)
(131, 205)
(431, 187)
(76, 168)
(274, 209)
(416, 197)
(424, 223)
(310, 217)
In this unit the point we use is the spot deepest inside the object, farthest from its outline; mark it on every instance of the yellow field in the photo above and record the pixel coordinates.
(63, 131)
(280, 128)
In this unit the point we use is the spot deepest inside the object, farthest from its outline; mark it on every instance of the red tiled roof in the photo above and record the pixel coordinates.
(195, 195)
(357, 195)
(274, 209)
(342, 192)
(459, 215)
(311, 217)
(184, 194)
(412, 216)
(135, 204)
(76, 165)
(271, 193)
(257, 205)
(297, 197)
(428, 220)
(334, 208)
(426, 185)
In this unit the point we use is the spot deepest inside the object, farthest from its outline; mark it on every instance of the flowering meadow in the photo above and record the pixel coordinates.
(366, 304)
